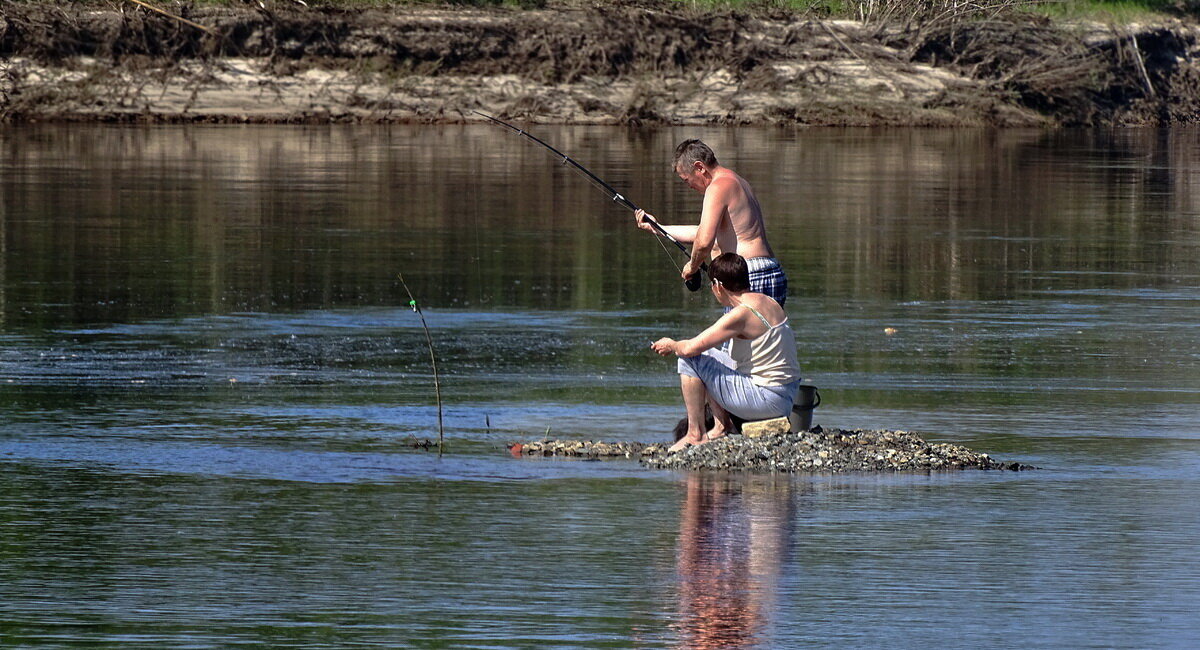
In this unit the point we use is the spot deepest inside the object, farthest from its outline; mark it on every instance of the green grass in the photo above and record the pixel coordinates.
(1116, 11)
(799, 6)
(1106, 11)
(1100, 10)
(348, 4)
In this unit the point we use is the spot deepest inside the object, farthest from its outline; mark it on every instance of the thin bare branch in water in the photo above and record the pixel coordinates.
(437, 386)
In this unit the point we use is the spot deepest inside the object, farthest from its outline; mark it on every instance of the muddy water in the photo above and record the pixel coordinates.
(208, 375)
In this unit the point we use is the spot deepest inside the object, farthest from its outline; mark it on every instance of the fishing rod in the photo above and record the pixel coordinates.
(693, 281)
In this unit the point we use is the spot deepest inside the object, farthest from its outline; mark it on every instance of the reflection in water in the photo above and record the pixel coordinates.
(111, 224)
(734, 536)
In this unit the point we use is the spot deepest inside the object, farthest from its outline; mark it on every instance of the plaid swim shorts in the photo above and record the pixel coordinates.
(766, 276)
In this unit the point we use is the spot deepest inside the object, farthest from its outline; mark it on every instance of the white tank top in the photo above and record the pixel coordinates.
(770, 359)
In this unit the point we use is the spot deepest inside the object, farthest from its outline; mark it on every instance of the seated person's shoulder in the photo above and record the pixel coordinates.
(767, 306)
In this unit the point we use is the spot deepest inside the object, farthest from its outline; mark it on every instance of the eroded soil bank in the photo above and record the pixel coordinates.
(624, 63)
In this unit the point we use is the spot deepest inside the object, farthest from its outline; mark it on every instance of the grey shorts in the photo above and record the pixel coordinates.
(734, 391)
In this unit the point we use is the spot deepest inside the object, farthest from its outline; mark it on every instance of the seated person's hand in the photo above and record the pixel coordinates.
(664, 346)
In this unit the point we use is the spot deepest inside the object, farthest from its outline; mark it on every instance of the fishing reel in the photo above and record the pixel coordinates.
(696, 279)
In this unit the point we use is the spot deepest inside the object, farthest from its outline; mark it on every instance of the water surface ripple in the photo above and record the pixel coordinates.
(210, 387)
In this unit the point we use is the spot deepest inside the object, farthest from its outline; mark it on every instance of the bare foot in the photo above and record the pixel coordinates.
(718, 430)
(684, 443)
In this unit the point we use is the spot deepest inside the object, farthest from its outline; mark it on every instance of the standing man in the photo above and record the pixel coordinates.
(730, 222)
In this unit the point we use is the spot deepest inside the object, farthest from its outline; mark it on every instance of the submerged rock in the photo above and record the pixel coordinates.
(819, 450)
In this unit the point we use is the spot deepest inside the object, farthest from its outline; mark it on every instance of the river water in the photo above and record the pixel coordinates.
(210, 380)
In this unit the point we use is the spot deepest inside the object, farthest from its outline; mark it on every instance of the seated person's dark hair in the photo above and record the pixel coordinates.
(730, 270)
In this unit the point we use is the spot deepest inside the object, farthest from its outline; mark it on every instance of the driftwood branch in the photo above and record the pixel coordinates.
(1140, 63)
(171, 15)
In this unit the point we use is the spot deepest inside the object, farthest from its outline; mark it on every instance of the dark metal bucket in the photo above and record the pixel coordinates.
(807, 399)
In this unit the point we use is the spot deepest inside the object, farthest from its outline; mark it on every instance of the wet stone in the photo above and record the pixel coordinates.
(766, 427)
(824, 451)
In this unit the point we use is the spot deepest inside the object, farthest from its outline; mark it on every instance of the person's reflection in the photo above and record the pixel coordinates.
(734, 535)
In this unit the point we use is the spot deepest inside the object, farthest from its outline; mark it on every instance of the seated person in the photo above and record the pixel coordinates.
(757, 379)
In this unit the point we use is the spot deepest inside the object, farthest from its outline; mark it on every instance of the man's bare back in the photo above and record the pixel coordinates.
(739, 214)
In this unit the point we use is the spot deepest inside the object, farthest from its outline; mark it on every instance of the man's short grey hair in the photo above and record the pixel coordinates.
(690, 151)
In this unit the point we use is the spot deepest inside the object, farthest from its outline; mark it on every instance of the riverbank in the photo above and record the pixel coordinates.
(628, 63)
(818, 450)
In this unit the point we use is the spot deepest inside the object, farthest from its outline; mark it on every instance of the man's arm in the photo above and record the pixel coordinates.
(715, 207)
(685, 234)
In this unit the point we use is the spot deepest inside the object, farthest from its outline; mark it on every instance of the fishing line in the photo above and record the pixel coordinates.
(693, 281)
(667, 251)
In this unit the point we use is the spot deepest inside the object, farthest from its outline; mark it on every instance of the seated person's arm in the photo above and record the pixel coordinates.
(727, 327)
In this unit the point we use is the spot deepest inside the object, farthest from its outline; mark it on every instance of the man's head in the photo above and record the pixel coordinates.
(694, 163)
(731, 272)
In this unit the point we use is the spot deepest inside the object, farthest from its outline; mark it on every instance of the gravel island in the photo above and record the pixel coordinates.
(818, 450)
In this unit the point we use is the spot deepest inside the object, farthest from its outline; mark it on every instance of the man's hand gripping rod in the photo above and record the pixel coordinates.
(693, 281)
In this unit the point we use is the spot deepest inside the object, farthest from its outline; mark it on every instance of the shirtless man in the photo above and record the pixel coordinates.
(730, 222)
